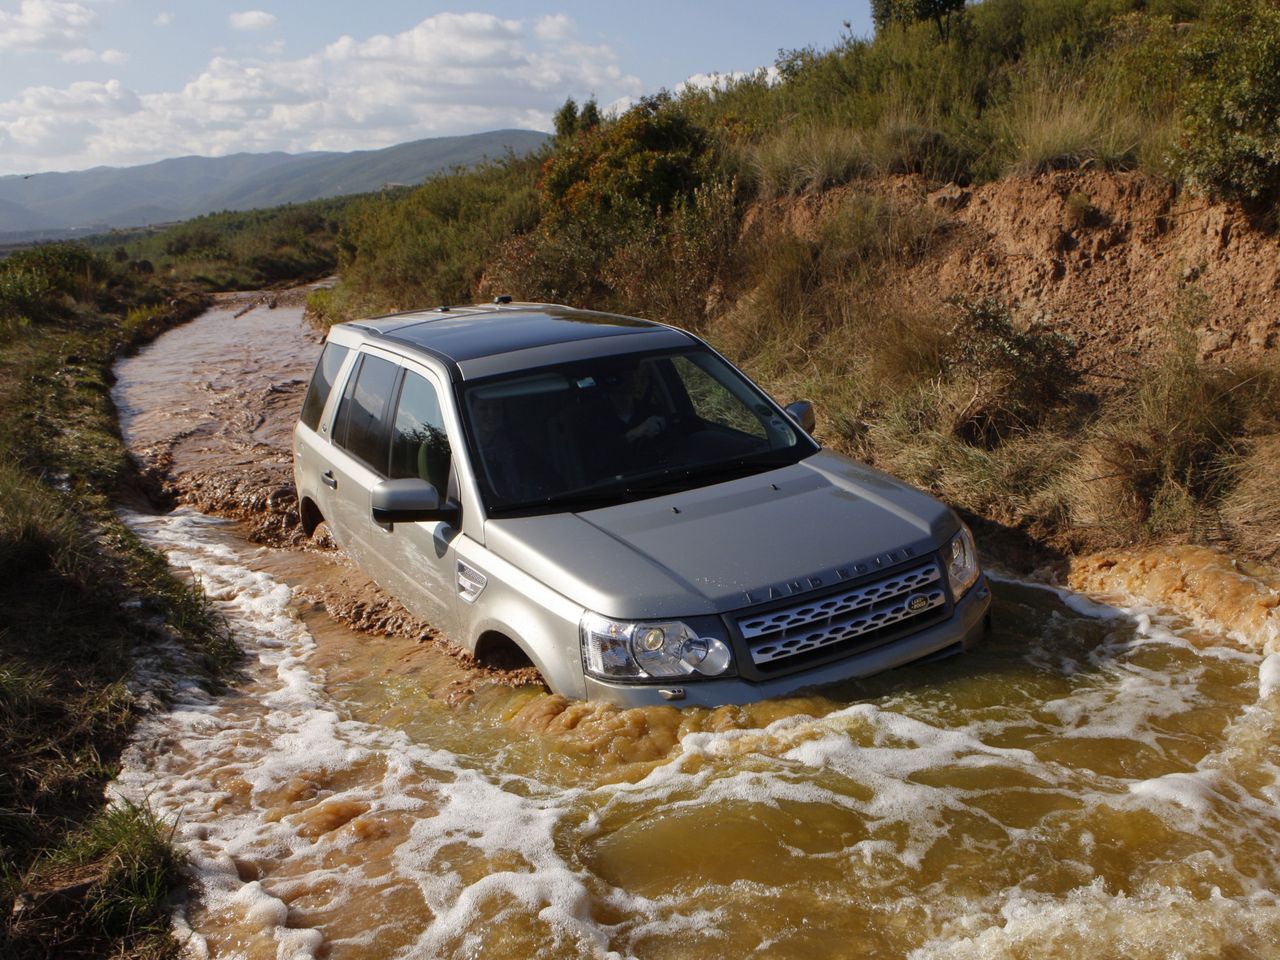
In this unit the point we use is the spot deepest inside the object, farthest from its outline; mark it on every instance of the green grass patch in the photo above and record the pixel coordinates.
(75, 881)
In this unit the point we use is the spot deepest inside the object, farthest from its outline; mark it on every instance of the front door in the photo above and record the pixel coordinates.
(422, 554)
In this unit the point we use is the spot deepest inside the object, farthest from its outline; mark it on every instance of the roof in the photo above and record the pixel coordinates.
(484, 340)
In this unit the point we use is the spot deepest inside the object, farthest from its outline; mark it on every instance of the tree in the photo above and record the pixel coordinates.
(884, 12)
(566, 120)
(589, 118)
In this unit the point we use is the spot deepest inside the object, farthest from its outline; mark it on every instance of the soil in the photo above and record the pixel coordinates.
(1102, 256)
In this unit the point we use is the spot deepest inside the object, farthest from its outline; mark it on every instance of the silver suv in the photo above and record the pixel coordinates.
(613, 500)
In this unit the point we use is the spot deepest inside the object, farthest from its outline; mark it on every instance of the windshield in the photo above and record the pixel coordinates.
(621, 428)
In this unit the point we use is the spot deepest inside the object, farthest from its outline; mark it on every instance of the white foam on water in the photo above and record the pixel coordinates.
(1269, 676)
(1154, 923)
(217, 765)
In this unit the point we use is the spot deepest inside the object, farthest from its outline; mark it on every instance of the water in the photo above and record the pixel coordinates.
(1096, 780)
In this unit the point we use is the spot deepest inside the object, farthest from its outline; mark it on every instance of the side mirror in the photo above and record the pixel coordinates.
(408, 501)
(802, 413)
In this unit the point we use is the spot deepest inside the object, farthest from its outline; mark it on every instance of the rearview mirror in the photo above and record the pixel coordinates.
(409, 500)
(802, 413)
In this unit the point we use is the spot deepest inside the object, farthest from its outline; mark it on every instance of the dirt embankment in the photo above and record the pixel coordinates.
(1101, 256)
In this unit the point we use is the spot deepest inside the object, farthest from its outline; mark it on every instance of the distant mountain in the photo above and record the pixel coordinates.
(49, 204)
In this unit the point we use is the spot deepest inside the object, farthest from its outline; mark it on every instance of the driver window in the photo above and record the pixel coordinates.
(419, 446)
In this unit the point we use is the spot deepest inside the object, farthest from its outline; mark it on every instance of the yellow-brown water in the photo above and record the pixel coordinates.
(1095, 781)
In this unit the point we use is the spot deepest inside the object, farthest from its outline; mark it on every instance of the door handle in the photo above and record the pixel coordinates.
(329, 480)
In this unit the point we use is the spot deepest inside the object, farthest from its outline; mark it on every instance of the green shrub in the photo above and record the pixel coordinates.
(432, 245)
(674, 269)
(646, 161)
(35, 281)
(1013, 377)
(24, 292)
(1231, 106)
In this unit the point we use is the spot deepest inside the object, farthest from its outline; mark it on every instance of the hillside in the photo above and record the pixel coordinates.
(186, 187)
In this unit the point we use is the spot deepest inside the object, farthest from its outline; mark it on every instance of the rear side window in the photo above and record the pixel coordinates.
(322, 383)
(360, 428)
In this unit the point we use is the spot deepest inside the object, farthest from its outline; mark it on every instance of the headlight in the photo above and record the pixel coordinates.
(626, 650)
(961, 557)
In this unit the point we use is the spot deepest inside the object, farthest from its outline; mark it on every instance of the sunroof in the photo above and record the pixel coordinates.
(469, 336)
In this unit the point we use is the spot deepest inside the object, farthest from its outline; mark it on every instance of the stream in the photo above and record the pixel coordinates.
(1100, 779)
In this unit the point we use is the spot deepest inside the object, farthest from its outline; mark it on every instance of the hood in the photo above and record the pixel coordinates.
(729, 545)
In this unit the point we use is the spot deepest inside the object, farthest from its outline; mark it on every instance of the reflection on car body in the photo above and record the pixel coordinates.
(612, 498)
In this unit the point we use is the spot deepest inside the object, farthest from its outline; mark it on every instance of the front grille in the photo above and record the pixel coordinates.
(859, 616)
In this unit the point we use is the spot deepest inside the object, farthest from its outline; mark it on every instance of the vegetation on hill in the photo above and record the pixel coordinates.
(49, 204)
(237, 250)
(77, 878)
(664, 212)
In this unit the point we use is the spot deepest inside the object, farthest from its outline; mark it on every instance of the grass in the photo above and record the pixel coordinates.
(805, 159)
(86, 881)
(1054, 121)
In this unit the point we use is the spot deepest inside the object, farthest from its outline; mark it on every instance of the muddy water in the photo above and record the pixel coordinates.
(1098, 780)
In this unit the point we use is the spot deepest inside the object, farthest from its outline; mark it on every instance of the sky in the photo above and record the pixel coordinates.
(87, 83)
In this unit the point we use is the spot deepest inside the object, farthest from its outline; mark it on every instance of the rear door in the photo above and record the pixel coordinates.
(358, 459)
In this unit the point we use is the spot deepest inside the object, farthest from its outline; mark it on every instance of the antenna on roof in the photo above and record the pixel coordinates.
(502, 298)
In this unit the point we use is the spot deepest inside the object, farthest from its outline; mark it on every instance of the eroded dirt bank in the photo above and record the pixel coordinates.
(1102, 256)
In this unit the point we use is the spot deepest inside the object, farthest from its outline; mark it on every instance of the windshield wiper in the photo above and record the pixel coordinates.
(688, 477)
(614, 490)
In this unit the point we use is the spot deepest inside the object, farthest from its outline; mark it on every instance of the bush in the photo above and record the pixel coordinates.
(35, 282)
(1166, 454)
(648, 160)
(806, 159)
(1231, 107)
(431, 246)
(1059, 117)
(1017, 375)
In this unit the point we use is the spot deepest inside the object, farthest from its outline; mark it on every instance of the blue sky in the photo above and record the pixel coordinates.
(119, 82)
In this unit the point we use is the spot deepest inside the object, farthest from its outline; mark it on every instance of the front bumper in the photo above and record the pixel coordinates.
(962, 630)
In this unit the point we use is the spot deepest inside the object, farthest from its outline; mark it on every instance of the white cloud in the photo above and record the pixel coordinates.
(85, 55)
(717, 81)
(449, 74)
(253, 20)
(163, 19)
(44, 25)
(554, 27)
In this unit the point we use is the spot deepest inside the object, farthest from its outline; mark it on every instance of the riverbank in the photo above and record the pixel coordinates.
(81, 596)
